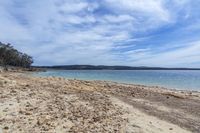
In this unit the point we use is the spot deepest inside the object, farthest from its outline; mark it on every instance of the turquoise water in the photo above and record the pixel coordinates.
(184, 80)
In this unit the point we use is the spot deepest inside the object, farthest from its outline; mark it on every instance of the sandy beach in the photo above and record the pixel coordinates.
(53, 104)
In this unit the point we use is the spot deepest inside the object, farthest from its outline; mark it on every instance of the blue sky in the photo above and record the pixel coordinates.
(162, 33)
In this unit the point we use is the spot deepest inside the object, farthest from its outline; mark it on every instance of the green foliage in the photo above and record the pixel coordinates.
(12, 57)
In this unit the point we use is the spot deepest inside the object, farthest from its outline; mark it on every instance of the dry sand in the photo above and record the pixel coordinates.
(32, 105)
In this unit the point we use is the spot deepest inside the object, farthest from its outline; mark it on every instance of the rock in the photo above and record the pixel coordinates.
(6, 127)
(28, 113)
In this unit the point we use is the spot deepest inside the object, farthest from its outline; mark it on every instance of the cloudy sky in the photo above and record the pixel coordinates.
(111, 32)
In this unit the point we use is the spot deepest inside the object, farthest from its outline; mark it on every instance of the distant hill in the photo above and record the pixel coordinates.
(103, 67)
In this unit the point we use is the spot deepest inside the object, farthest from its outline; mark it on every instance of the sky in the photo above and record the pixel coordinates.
(164, 33)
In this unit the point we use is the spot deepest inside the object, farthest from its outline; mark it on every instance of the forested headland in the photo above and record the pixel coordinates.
(9, 56)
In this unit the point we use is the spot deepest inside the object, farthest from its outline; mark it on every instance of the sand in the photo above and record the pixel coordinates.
(52, 104)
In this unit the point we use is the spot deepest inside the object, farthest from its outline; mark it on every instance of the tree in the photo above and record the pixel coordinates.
(12, 57)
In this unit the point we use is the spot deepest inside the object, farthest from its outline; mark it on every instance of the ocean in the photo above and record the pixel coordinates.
(172, 79)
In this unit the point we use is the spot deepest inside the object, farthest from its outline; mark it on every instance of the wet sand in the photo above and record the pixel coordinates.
(52, 104)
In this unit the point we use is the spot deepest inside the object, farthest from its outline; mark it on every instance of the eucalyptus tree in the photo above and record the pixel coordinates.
(9, 56)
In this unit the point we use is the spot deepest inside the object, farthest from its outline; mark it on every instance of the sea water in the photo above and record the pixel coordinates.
(174, 79)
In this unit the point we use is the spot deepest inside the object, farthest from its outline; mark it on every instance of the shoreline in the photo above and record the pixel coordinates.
(56, 104)
(190, 83)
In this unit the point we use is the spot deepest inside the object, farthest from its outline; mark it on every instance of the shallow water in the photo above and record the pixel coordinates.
(175, 79)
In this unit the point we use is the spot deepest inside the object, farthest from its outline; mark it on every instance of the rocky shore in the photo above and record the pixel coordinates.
(52, 104)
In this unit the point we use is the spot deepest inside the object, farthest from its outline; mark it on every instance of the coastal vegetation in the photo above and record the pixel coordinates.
(9, 56)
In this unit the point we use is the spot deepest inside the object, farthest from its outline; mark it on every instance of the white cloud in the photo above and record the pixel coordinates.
(185, 56)
(154, 9)
(91, 32)
(117, 19)
(71, 7)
